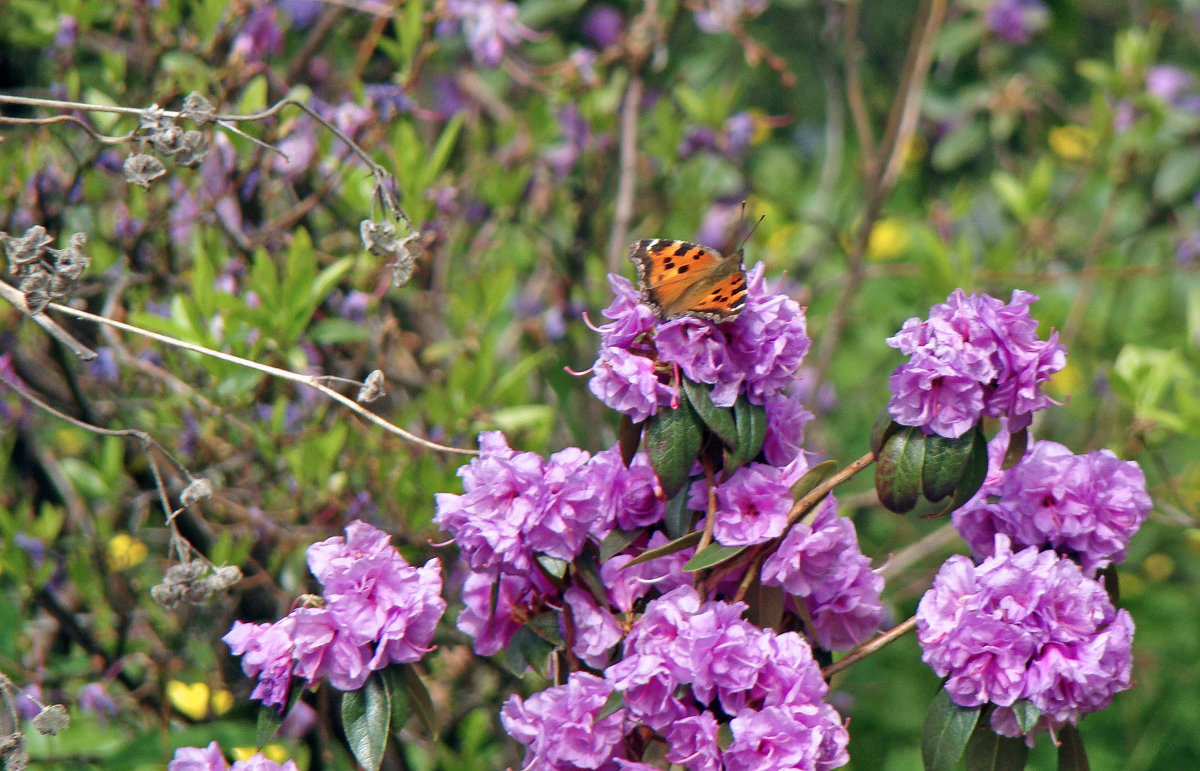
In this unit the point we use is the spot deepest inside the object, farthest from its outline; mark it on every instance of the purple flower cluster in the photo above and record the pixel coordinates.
(821, 563)
(1025, 625)
(489, 25)
(210, 759)
(769, 684)
(1016, 21)
(974, 357)
(378, 610)
(1082, 506)
(752, 504)
(757, 353)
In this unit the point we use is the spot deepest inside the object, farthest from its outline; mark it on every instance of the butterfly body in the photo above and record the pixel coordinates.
(680, 278)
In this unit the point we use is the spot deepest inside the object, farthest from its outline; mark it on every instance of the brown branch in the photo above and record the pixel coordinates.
(17, 298)
(869, 647)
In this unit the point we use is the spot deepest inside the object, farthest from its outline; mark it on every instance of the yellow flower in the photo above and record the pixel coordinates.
(888, 240)
(222, 701)
(276, 752)
(125, 551)
(1072, 143)
(1064, 382)
(191, 700)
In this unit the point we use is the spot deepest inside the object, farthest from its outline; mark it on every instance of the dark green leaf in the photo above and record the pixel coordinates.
(973, 475)
(766, 605)
(945, 462)
(366, 718)
(677, 521)
(672, 441)
(898, 470)
(1071, 754)
(269, 719)
(629, 436)
(711, 555)
(545, 625)
(1027, 714)
(679, 544)
(1111, 584)
(813, 477)
(1177, 174)
(882, 430)
(616, 541)
(946, 731)
(418, 699)
(394, 683)
(528, 650)
(988, 751)
(611, 705)
(718, 419)
(1017, 443)
(751, 422)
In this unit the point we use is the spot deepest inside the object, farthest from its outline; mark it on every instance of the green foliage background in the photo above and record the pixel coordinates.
(1047, 166)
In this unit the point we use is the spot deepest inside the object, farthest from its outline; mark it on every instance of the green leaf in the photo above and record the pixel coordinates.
(945, 461)
(395, 684)
(335, 331)
(612, 705)
(751, 421)
(629, 436)
(528, 651)
(418, 699)
(616, 541)
(898, 470)
(813, 477)
(441, 151)
(973, 475)
(947, 729)
(677, 521)
(882, 430)
(1178, 174)
(1017, 444)
(988, 751)
(712, 555)
(1071, 753)
(718, 419)
(959, 145)
(679, 544)
(366, 718)
(1027, 714)
(270, 718)
(672, 441)
(553, 565)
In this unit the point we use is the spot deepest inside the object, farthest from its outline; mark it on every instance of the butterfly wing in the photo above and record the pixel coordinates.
(679, 278)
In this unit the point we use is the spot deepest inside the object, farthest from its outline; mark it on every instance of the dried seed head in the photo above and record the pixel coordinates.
(26, 249)
(198, 490)
(51, 719)
(198, 109)
(193, 148)
(142, 169)
(372, 388)
(166, 139)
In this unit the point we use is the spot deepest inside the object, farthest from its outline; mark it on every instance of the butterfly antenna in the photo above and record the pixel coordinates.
(747, 236)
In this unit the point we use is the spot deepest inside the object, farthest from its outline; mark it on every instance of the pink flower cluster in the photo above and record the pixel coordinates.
(378, 610)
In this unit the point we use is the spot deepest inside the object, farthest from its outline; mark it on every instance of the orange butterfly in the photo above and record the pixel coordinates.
(679, 278)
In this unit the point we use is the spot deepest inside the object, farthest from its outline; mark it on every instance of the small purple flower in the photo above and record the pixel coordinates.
(324, 649)
(596, 630)
(560, 727)
(713, 16)
(647, 690)
(782, 738)
(627, 586)
(94, 698)
(1169, 83)
(299, 720)
(752, 505)
(973, 357)
(388, 99)
(693, 742)
(1017, 21)
(302, 13)
(266, 651)
(697, 139)
(737, 132)
(1025, 625)
(786, 418)
(488, 25)
(602, 26)
(67, 32)
(1082, 506)
(198, 759)
(493, 628)
(260, 37)
(628, 383)
(822, 564)
(28, 701)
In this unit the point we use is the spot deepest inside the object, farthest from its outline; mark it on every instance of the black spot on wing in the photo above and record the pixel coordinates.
(682, 269)
(683, 248)
(658, 245)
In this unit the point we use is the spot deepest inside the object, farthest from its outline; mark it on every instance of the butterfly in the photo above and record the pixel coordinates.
(679, 278)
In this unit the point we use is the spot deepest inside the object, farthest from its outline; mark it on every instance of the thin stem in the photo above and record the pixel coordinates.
(627, 181)
(309, 380)
(820, 491)
(17, 298)
(869, 647)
